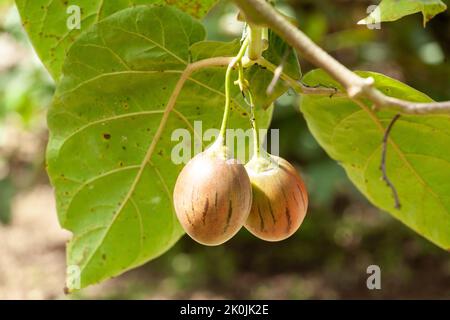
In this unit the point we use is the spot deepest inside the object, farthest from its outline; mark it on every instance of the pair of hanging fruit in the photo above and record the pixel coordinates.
(215, 195)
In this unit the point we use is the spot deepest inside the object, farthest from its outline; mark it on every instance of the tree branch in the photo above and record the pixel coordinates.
(262, 13)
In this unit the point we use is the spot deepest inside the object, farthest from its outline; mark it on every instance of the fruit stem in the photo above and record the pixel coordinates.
(228, 83)
(256, 44)
(256, 144)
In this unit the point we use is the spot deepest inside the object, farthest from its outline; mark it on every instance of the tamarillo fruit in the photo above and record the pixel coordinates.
(280, 198)
(212, 196)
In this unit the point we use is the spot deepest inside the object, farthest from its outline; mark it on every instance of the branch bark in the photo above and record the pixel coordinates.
(262, 13)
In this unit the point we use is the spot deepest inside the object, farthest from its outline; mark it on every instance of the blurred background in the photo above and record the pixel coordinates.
(341, 236)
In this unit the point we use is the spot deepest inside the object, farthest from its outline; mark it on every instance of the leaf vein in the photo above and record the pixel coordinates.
(155, 44)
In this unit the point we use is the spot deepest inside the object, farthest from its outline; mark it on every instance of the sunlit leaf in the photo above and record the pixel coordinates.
(391, 10)
(50, 24)
(418, 153)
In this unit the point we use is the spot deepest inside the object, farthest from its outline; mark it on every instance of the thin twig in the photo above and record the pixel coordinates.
(320, 90)
(383, 162)
(297, 85)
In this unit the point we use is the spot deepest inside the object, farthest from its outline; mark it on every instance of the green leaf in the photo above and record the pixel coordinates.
(111, 125)
(207, 49)
(392, 10)
(279, 52)
(46, 22)
(418, 153)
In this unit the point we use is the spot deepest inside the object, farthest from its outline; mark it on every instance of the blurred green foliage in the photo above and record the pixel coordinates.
(25, 92)
(25, 87)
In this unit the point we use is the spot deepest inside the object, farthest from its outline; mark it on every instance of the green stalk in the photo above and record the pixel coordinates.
(228, 84)
(254, 123)
(255, 47)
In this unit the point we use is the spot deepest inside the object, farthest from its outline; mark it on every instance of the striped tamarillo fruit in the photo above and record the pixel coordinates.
(213, 196)
(280, 199)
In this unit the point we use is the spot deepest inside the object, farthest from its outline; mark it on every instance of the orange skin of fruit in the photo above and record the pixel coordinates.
(280, 201)
(212, 198)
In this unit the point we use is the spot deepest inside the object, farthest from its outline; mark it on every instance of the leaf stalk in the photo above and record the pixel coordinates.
(228, 83)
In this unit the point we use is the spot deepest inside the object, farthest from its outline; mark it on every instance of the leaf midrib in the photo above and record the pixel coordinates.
(116, 170)
(136, 180)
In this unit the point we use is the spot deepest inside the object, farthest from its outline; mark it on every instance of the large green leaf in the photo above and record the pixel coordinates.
(418, 153)
(391, 10)
(109, 154)
(46, 22)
